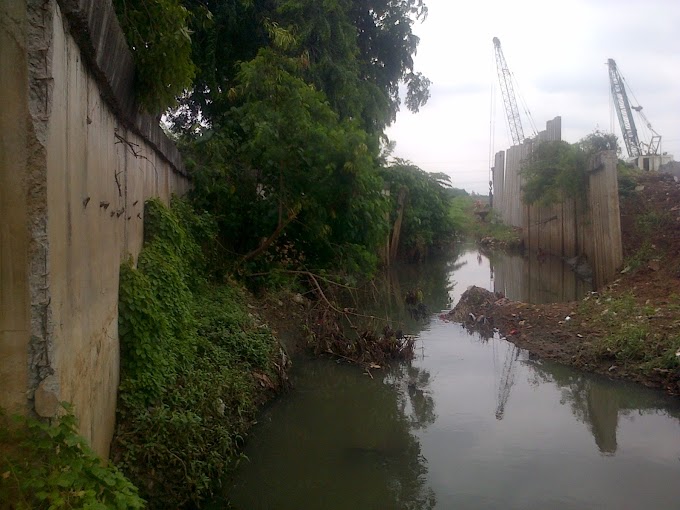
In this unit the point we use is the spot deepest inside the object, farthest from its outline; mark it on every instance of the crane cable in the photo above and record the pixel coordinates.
(492, 118)
(524, 104)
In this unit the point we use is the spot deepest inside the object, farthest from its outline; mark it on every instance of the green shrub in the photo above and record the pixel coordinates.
(554, 171)
(557, 170)
(51, 467)
(627, 176)
(189, 349)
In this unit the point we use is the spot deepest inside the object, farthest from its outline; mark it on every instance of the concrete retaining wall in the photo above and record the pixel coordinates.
(76, 165)
(589, 225)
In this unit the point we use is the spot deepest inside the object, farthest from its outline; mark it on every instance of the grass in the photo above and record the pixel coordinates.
(635, 335)
(468, 224)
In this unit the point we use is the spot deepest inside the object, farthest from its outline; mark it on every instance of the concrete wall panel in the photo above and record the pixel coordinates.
(589, 226)
(14, 225)
(75, 170)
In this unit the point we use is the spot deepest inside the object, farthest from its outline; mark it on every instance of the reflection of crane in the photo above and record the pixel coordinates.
(507, 379)
(624, 112)
(511, 110)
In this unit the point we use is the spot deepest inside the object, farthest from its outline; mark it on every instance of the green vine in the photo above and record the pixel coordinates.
(557, 170)
(190, 357)
(46, 466)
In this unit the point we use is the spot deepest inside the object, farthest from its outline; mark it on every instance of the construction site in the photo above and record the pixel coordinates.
(584, 230)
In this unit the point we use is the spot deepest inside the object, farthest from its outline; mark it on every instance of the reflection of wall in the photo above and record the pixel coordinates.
(603, 410)
(594, 401)
(528, 279)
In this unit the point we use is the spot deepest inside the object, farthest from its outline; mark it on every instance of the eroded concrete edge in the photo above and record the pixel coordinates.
(42, 383)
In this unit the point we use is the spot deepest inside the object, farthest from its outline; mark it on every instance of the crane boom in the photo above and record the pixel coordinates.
(511, 110)
(653, 146)
(623, 110)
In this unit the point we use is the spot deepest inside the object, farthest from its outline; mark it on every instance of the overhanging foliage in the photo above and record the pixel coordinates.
(557, 170)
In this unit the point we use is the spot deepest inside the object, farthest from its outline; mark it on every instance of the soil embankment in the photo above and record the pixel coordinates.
(631, 328)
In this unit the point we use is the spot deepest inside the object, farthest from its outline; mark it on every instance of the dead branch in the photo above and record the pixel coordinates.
(267, 242)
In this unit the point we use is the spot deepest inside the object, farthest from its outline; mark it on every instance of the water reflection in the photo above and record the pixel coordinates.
(470, 423)
(536, 279)
(598, 402)
(341, 440)
(406, 295)
(505, 377)
(415, 398)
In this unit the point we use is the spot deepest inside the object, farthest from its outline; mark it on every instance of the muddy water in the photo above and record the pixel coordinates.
(470, 423)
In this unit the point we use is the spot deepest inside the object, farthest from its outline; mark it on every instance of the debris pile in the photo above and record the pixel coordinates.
(475, 310)
(333, 333)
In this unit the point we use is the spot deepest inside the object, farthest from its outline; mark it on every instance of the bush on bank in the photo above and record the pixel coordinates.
(192, 363)
(45, 466)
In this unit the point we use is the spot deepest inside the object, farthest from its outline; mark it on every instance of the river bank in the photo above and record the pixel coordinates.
(630, 329)
(516, 430)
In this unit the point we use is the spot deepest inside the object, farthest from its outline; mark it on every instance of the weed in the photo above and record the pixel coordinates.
(642, 256)
(628, 176)
(630, 337)
(46, 466)
(649, 223)
(187, 394)
(629, 342)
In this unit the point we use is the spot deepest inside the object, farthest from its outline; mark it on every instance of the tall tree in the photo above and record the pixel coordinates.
(387, 45)
(294, 166)
(426, 219)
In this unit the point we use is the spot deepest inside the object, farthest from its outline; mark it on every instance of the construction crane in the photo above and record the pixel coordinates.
(511, 110)
(653, 146)
(624, 112)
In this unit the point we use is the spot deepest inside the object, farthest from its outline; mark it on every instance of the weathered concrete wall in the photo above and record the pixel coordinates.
(508, 180)
(79, 169)
(602, 223)
(498, 175)
(589, 225)
(15, 153)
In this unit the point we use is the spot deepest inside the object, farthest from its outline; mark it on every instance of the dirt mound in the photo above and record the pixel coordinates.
(631, 328)
(476, 310)
(650, 229)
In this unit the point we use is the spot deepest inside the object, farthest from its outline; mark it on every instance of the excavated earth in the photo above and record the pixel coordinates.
(579, 333)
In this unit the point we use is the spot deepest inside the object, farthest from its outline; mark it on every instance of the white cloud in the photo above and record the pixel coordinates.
(558, 53)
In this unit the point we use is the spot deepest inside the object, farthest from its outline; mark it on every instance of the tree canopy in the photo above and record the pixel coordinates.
(279, 107)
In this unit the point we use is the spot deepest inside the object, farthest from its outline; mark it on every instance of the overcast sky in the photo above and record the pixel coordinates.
(557, 52)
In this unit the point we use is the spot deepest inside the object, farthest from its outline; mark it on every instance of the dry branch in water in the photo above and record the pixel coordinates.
(334, 333)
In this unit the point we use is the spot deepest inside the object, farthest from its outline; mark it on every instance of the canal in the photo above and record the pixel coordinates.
(470, 423)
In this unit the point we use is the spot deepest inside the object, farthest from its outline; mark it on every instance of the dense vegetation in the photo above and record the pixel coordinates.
(193, 363)
(279, 109)
(557, 170)
(427, 219)
(46, 466)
